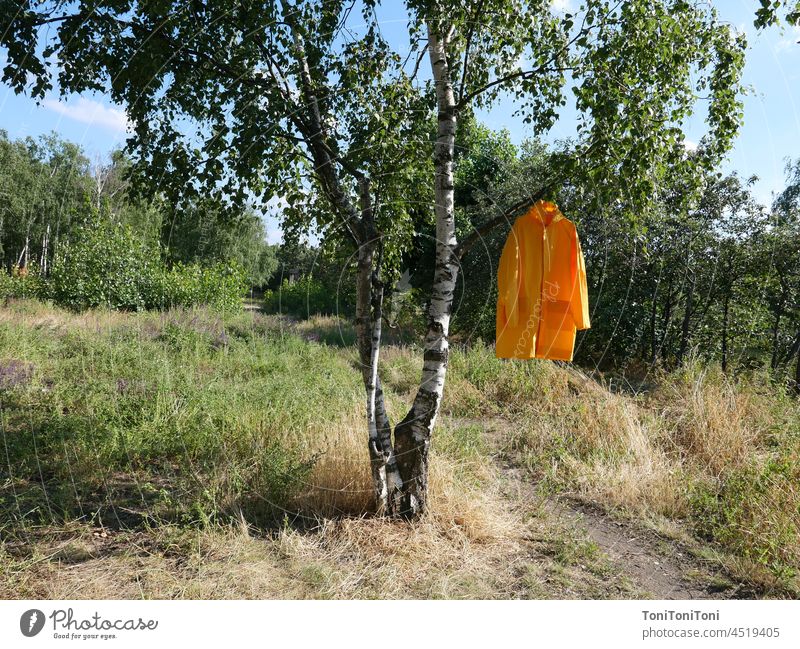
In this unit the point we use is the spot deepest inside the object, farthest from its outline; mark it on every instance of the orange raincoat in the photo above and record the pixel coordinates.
(542, 296)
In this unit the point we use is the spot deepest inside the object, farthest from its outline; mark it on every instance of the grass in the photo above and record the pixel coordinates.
(180, 454)
(716, 452)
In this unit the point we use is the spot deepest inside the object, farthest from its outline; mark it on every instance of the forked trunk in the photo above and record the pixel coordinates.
(399, 470)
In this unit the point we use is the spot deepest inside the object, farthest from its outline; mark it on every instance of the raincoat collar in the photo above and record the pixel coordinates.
(546, 212)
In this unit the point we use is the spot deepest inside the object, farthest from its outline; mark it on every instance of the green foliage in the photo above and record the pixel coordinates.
(108, 265)
(29, 284)
(322, 280)
(635, 71)
(220, 286)
(201, 232)
(45, 190)
(49, 195)
(768, 13)
(305, 297)
(754, 511)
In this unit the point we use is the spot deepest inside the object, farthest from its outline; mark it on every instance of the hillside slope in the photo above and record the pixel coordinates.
(180, 454)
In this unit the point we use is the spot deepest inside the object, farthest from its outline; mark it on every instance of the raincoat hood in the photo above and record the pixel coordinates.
(545, 212)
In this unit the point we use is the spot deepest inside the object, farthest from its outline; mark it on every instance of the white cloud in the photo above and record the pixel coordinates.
(91, 112)
(559, 6)
(689, 145)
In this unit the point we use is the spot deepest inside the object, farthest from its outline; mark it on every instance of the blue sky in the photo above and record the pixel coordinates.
(770, 135)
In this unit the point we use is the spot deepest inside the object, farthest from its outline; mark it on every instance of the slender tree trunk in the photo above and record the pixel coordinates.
(360, 223)
(797, 372)
(368, 355)
(725, 311)
(413, 434)
(775, 330)
(686, 322)
(369, 312)
(666, 320)
(45, 242)
(794, 348)
(653, 314)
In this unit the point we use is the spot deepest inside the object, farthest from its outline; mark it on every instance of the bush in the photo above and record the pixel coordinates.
(107, 265)
(184, 285)
(307, 296)
(22, 284)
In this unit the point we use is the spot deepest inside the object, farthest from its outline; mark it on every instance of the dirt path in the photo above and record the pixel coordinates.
(657, 566)
(630, 560)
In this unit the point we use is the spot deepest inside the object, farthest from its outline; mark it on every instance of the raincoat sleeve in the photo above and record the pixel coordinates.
(579, 302)
(509, 279)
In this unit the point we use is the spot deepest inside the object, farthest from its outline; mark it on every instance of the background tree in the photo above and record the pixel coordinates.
(44, 188)
(782, 246)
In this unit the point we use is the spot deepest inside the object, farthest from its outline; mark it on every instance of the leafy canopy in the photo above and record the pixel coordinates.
(246, 100)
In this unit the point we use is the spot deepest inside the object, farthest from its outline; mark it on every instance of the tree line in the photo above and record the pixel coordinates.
(50, 191)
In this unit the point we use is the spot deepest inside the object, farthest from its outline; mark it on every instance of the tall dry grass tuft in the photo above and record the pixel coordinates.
(340, 482)
(463, 501)
(717, 422)
(600, 446)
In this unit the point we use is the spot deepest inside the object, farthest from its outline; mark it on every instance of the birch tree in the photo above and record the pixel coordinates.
(248, 100)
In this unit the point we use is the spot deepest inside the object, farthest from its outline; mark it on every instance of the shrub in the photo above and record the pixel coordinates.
(184, 285)
(18, 284)
(755, 512)
(105, 265)
(307, 296)
(108, 265)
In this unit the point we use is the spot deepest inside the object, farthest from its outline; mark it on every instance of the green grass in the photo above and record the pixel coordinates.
(216, 410)
(186, 420)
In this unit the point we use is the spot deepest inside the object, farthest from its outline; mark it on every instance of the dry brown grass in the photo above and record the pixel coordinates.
(340, 481)
(641, 479)
(713, 421)
(601, 446)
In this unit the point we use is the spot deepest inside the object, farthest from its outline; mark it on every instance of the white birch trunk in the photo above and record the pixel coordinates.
(413, 434)
(369, 305)
(399, 470)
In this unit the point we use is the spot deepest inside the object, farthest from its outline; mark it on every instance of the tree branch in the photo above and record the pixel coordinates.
(517, 209)
(470, 33)
(521, 74)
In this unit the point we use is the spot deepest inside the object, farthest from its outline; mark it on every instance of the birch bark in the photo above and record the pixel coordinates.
(413, 433)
